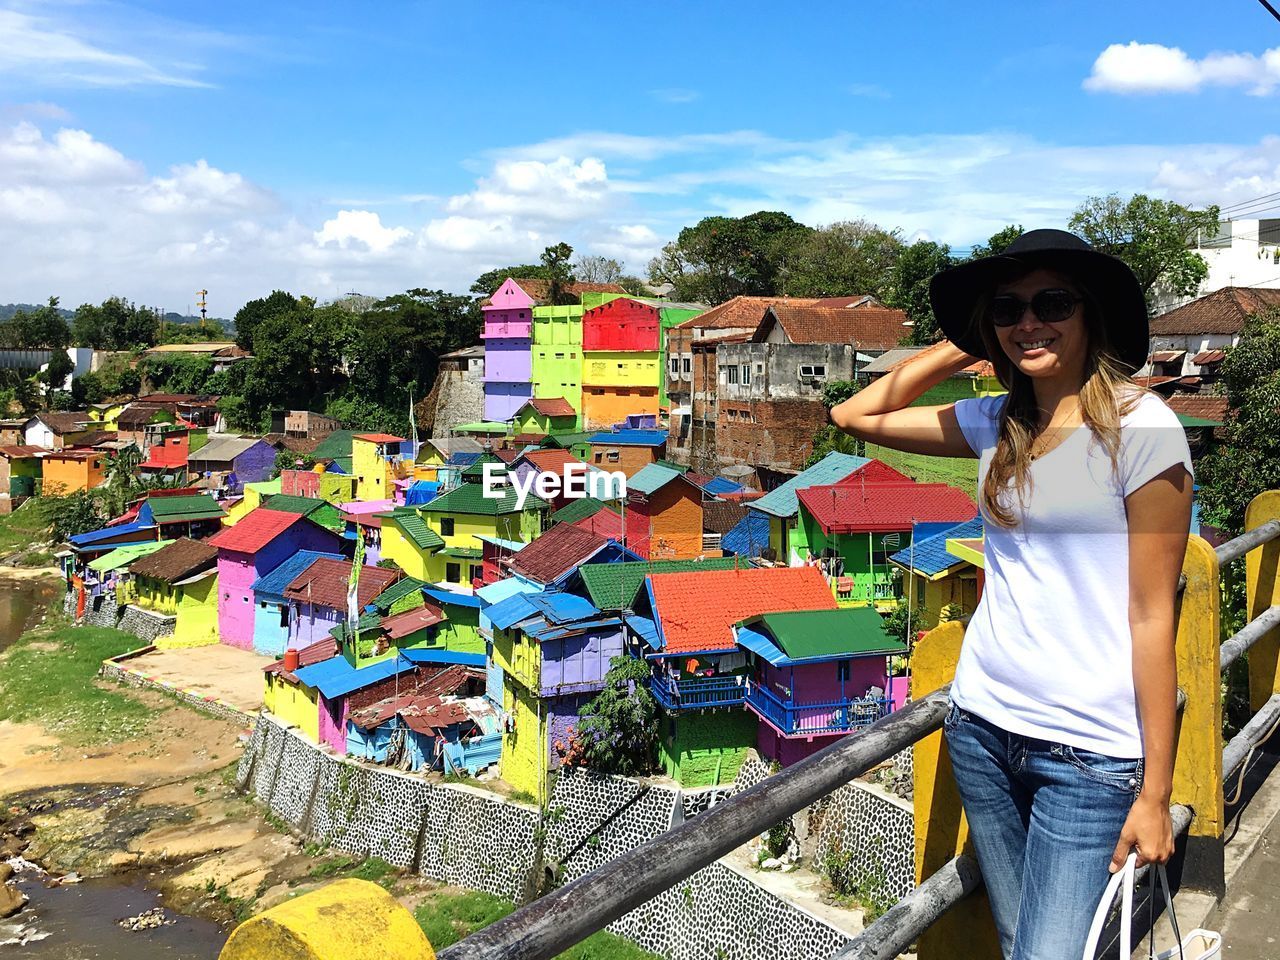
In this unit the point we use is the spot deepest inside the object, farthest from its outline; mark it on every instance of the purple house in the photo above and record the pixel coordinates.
(261, 541)
(250, 459)
(508, 354)
(816, 675)
(318, 597)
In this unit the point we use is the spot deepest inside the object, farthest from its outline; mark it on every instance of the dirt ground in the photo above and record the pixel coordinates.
(213, 671)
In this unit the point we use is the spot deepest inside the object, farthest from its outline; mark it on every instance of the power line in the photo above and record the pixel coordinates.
(1270, 9)
(1247, 203)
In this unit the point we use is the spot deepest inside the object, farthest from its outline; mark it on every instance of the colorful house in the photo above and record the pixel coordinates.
(782, 507)
(437, 451)
(851, 528)
(377, 460)
(508, 369)
(254, 496)
(617, 384)
(411, 544)
(182, 513)
(464, 513)
(541, 416)
(815, 675)
(340, 689)
(260, 542)
(231, 462)
(21, 469)
(180, 583)
(563, 551)
(272, 607)
(937, 579)
(554, 650)
(313, 508)
(461, 628)
(318, 596)
(363, 520)
(664, 515)
(167, 453)
(622, 324)
(292, 701)
(627, 450)
(700, 673)
(556, 353)
(108, 574)
(67, 471)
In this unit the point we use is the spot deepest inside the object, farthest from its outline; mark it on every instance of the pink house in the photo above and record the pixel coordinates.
(261, 541)
(816, 675)
(508, 351)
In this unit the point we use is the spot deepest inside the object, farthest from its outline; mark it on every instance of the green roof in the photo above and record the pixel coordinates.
(368, 621)
(469, 498)
(465, 553)
(398, 591)
(482, 426)
(265, 487)
(827, 634)
(123, 556)
(185, 509)
(335, 446)
(476, 469)
(613, 586)
(415, 528)
(579, 509)
(566, 440)
(319, 511)
(1189, 421)
(678, 468)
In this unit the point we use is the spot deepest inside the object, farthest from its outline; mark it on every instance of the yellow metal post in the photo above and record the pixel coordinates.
(967, 929)
(1262, 586)
(1197, 769)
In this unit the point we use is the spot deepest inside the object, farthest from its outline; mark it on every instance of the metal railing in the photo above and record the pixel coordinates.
(551, 924)
(698, 694)
(796, 718)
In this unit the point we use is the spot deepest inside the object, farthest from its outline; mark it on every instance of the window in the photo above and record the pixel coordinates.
(613, 456)
(559, 356)
(675, 364)
(813, 371)
(731, 374)
(453, 572)
(842, 671)
(446, 526)
(746, 373)
(688, 364)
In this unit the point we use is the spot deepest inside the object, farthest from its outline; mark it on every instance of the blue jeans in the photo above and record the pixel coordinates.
(1044, 818)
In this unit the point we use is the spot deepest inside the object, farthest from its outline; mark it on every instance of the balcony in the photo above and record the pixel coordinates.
(798, 719)
(727, 691)
(863, 590)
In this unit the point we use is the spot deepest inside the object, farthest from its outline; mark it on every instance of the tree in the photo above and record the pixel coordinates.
(998, 242)
(255, 312)
(559, 274)
(724, 257)
(73, 513)
(490, 280)
(593, 269)
(618, 732)
(843, 259)
(1151, 236)
(909, 288)
(115, 324)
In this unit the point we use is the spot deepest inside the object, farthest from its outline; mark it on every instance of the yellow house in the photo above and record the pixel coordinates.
(376, 463)
(180, 581)
(464, 514)
(106, 414)
(437, 451)
(937, 577)
(621, 368)
(524, 740)
(67, 471)
(292, 702)
(254, 494)
(412, 544)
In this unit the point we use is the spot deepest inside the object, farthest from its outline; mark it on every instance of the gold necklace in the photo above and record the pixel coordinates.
(1046, 432)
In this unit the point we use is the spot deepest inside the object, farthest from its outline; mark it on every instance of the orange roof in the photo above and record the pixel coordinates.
(742, 312)
(1222, 311)
(870, 328)
(379, 438)
(551, 460)
(254, 531)
(979, 368)
(885, 506)
(552, 406)
(689, 624)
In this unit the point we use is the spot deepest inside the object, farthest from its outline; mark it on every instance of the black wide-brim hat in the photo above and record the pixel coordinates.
(954, 293)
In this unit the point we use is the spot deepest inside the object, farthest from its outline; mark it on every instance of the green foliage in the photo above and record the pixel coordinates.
(115, 324)
(47, 677)
(26, 526)
(288, 460)
(838, 391)
(73, 513)
(1151, 236)
(559, 274)
(255, 312)
(724, 257)
(178, 373)
(207, 329)
(41, 328)
(896, 623)
(997, 243)
(619, 728)
(831, 439)
(843, 259)
(909, 287)
(863, 885)
(490, 280)
(116, 378)
(778, 838)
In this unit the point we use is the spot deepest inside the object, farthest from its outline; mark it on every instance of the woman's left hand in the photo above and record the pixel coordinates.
(1149, 828)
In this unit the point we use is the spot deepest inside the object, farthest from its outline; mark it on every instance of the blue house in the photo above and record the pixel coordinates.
(271, 608)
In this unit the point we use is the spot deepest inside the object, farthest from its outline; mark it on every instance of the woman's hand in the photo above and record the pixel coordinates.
(1149, 827)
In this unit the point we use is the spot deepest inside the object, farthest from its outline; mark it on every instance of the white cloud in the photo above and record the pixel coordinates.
(1145, 68)
(40, 49)
(353, 229)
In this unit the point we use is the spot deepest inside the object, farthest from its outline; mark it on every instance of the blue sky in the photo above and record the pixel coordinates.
(151, 149)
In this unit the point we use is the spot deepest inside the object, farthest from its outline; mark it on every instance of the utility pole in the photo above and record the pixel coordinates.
(202, 303)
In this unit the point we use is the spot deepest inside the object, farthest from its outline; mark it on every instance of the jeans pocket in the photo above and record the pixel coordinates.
(953, 716)
(1120, 772)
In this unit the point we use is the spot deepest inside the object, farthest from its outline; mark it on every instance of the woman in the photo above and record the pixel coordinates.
(1061, 721)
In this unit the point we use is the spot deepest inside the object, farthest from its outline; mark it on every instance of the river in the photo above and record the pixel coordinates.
(80, 921)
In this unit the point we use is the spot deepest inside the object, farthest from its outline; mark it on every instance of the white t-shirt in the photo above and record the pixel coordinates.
(1048, 652)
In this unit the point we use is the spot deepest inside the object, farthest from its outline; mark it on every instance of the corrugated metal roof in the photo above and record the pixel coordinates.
(450, 596)
(929, 556)
(440, 655)
(106, 533)
(274, 583)
(556, 552)
(123, 556)
(184, 509)
(783, 502)
(254, 530)
(630, 438)
(885, 505)
(719, 485)
(808, 636)
(614, 586)
(651, 478)
(749, 537)
(335, 677)
(223, 449)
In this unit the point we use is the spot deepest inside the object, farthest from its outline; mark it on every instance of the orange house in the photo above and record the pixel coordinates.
(629, 451)
(67, 471)
(664, 515)
(603, 406)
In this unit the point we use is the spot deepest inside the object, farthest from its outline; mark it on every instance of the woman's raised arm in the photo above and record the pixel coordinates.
(881, 412)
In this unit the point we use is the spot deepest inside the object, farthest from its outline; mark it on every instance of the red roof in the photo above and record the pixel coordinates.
(885, 506)
(22, 452)
(875, 470)
(603, 523)
(379, 438)
(1222, 311)
(557, 552)
(318, 652)
(1209, 356)
(254, 530)
(742, 312)
(324, 583)
(868, 328)
(551, 460)
(697, 611)
(552, 407)
(402, 625)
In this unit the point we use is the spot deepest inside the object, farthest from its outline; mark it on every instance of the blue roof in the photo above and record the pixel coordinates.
(555, 608)
(749, 536)
(106, 533)
(449, 596)
(424, 491)
(436, 655)
(761, 644)
(783, 502)
(651, 478)
(462, 459)
(646, 630)
(929, 555)
(720, 485)
(553, 631)
(274, 582)
(335, 677)
(631, 438)
(507, 613)
(492, 593)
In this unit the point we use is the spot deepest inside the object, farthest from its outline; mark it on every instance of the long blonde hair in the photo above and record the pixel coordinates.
(1106, 394)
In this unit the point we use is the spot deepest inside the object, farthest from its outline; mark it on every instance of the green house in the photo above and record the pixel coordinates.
(545, 416)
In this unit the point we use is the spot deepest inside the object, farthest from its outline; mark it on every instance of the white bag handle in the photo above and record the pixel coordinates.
(1121, 880)
(1208, 943)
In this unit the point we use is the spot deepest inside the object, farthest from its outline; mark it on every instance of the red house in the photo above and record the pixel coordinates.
(621, 324)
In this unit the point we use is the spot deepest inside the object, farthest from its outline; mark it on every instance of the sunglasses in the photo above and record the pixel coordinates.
(1049, 306)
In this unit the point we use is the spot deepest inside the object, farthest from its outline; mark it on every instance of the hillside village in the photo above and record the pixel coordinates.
(417, 604)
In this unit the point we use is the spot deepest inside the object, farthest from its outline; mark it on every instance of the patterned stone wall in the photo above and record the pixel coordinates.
(871, 835)
(145, 625)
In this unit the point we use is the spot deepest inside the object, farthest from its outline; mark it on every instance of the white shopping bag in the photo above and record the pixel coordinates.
(1197, 945)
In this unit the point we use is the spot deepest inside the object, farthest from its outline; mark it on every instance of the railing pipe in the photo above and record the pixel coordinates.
(1252, 632)
(1237, 547)
(1253, 733)
(550, 925)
